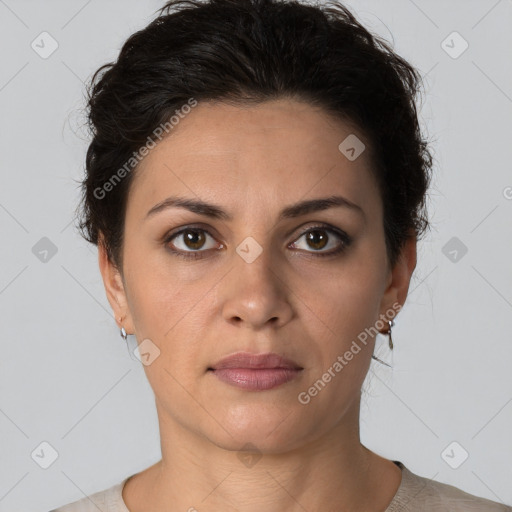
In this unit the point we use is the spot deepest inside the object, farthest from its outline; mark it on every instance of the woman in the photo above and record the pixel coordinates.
(256, 187)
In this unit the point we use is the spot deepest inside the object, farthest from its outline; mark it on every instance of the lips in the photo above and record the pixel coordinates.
(255, 362)
(255, 372)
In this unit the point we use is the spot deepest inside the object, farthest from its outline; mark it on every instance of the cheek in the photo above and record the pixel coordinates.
(349, 297)
(159, 295)
(172, 317)
(341, 317)
(349, 310)
(172, 314)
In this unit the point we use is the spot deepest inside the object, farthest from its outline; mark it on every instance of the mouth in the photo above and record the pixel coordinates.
(255, 372)
(270, 361)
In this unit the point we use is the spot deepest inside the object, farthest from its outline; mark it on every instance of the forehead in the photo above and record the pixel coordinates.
(280, 150)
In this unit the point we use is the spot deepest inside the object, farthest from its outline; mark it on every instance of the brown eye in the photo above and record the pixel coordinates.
(320, 237)
(192, 240)
(317, 239)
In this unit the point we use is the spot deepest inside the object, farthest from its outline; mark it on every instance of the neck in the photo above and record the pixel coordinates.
(195, 473)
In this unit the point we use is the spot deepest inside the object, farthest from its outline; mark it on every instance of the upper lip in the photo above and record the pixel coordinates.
(258, 361)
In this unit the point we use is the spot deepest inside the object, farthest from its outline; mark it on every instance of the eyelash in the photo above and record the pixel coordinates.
(346, 240)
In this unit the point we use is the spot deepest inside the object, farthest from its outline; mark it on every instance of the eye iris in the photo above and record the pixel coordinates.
(192, 236)
(313, 237)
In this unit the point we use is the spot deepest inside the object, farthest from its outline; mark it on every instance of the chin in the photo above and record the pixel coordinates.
(270, 431)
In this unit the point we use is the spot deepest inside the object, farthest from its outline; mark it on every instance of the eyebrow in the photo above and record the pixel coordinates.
(216, 212)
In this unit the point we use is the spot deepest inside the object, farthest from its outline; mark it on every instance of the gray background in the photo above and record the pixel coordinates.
(65, 375)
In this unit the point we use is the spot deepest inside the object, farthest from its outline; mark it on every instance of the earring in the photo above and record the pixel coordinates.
(391, 324)
(388, 332)
(131, 346)
(123, 331)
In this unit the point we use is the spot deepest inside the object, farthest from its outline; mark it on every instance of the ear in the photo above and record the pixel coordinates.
(399, 278)
(114, 288)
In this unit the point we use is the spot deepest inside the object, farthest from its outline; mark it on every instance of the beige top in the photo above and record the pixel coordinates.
(415, 494)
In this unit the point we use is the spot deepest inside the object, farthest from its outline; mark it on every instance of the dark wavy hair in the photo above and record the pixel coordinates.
(246, 52)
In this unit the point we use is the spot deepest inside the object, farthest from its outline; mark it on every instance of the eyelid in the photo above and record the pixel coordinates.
(166, 239)
(173, 232)
(345, 238)
(345, 241)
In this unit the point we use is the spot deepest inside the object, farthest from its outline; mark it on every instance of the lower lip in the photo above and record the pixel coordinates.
(256, 379)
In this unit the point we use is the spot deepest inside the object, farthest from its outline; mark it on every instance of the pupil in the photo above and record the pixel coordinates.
(315, 239)
(191, 236)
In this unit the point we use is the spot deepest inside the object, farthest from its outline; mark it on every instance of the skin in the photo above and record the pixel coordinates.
(254, 161)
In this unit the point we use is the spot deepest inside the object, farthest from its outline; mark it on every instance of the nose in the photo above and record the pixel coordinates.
(256, 294)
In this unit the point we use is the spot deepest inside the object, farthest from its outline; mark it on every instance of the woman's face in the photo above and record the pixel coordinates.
(303, 286)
